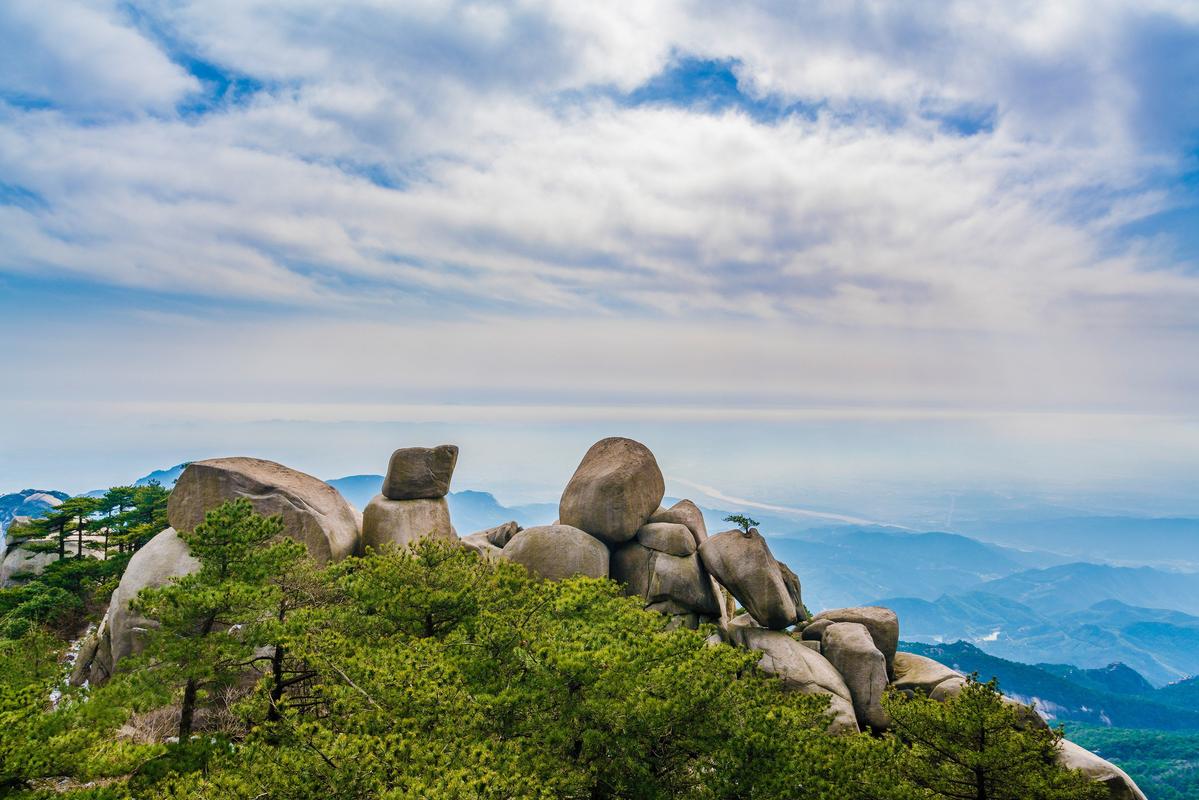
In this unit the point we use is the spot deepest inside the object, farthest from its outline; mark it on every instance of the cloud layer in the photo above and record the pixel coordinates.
(952, 206)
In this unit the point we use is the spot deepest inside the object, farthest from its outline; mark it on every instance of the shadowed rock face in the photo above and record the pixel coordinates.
(615, 489)
(918, 673)
(667, 537)
(686, 513)
(420, 473)
(668, 583)
(743, 565)
(558, 551)
(313, 512)
(405, 522)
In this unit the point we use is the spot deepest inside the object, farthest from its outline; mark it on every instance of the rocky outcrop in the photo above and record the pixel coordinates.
(420, 473)
(801, 669)
(558, 551)
(19, 561)
(121, 633)
(951, 687)
(614, 490)
(915, 673)
(882, 623)
(851, 651)
(404, 522)
(686, 513)
(489, 543)
(742, 563)
(668, 583)
(667, 537)
(1119, 785)
(313, 512)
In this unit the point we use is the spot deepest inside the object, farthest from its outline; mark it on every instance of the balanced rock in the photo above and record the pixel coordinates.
(914, 673)
(420, 473)
(801, 669)
(743, 565)
(405, 522)
(558, 551)
(313, 512)
(668, 583)
(882, 623)
(1119, 785)
(667, 537)
(686, 513)
(122, 631)
(849, 648)
(615, 489)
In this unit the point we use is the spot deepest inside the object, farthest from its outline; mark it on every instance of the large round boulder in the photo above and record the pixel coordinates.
(686, 513)
(801, 669)
(420, 473)
(313, 512)
(19, 562)
(849, 648)
(667, 537)
(405, 522)
(742, 563)
(558, 551)
(615, 489)
(882, 623)
(1119, 785)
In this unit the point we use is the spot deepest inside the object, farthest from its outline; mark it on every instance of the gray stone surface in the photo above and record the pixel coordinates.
(743, 565)
(849, 648)
(814, 630)
(615, 489)
(791, 581)
(500, 535)
(801, 669)
(19, 560)
(686, 513)
(1119, 785)
(405, 522)
(420, 473)
(679, 582)
(919, 673)
(881, 622)
(558, 551)
(667, 537)
(313, 512)
(479, 542)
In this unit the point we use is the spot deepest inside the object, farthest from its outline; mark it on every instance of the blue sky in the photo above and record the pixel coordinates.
(822, 252)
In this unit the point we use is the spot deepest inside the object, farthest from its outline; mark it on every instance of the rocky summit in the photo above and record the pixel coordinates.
(611, 525)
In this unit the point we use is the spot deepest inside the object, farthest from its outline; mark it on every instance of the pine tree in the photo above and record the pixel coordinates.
(977, 747)
(205, 639)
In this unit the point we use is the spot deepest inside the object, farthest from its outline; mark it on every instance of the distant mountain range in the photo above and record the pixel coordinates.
(1115, 695)
(27, 503)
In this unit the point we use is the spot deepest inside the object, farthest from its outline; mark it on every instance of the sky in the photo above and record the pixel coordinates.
(866, 257)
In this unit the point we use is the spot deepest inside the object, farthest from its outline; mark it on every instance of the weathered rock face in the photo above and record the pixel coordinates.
(814, 630)
(951, 687)
(20, 561)
(121, 633)
(743, 565)
(615, 489)
(1119, 785)
(667, 537)
(791, 581)
(849, 648)
(917, 673)
(668, 583)
(881, 622)
(313, 512)
(558, 551)
(405, 522)
(686, 513)
(420, 473)
(802, 670)
(500, 535)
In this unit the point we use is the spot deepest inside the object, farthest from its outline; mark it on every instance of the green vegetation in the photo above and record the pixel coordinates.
(743, 522)
(1164, 764)
(434, 674)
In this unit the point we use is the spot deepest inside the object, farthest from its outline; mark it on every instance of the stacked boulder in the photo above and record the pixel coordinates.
(312, 511)
(412, 505)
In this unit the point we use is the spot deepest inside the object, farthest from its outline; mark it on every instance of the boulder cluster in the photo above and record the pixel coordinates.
(611, 524)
